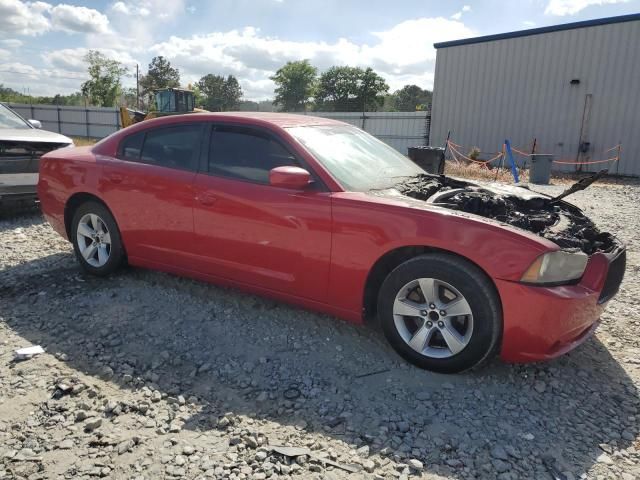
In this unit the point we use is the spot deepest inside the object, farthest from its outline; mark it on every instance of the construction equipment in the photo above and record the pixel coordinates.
(168, 101)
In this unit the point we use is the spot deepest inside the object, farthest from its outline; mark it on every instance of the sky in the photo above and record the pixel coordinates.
(42, 44)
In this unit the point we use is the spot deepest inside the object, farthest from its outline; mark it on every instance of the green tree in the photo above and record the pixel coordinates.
(160, 74)
(232, 93)
(8, 94)
(198, 97)
(350, 89)
(411, 98)
(219, 94)
(371, 90)
(129, 98)
(295, 84)
(103, 86)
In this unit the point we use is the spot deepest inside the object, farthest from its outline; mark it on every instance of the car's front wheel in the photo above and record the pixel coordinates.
(440, 312)
(96, 239)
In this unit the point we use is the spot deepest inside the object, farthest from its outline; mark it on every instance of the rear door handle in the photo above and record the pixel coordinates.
(206, 199)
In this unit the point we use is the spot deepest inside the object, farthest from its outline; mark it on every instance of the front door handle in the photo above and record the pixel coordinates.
(206, 199)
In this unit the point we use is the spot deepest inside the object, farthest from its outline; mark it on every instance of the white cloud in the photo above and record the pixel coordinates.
(529, 23)
(24, 18)
(35, 18)
(458, 14)
(12, 42)
(71, 19)
(72, 59)
(403, 54)
(137, 23)
(4, 54)
(39, 81)
(571, 7)
(130, 9)
(162, 9)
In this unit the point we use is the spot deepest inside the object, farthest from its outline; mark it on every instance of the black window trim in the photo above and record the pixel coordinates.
(198, 156)
(318, 183)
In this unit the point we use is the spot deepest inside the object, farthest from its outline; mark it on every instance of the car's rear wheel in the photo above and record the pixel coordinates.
(96, 239)
(440, 313)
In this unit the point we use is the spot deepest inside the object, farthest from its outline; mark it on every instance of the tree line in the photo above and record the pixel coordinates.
(299, 87)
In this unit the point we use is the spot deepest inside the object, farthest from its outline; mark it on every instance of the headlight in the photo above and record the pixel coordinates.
(556, 267)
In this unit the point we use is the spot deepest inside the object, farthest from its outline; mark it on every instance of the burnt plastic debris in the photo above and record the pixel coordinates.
(579, 185)
(555, 220)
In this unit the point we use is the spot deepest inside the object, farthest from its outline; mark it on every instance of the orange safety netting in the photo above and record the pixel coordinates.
(454, 151)
(572, 162)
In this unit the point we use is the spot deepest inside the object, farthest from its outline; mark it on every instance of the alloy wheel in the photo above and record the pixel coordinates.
(94, 240)
(433, 318)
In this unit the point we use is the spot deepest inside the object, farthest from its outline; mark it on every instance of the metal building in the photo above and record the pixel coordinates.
(575, 88)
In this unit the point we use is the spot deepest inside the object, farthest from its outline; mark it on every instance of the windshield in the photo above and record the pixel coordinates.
(8, 119)
(359, 161)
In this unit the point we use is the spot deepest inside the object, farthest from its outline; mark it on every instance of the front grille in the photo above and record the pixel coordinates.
(614, 277)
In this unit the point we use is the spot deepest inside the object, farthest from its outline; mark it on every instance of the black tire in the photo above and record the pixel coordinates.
(116, 253)
(479, 293)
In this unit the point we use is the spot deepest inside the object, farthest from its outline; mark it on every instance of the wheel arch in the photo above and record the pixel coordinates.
(392, 259)
(77, 199)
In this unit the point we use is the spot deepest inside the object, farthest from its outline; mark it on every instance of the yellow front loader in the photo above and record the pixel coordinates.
(169, 101)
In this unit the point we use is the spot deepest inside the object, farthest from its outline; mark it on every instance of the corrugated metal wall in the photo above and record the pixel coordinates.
(399, 130)
(93, 122)
(519, 89)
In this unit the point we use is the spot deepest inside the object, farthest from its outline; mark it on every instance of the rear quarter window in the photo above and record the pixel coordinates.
(131, 147)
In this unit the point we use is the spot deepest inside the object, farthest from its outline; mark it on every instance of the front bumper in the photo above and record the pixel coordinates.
(541, 323)
(18, 186)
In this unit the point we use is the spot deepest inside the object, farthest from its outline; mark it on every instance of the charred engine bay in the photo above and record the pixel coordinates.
(557, 221)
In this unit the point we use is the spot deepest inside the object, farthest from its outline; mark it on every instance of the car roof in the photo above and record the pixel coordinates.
(282, 120)
(272, 120)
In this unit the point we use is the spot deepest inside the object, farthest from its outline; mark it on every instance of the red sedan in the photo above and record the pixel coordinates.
(319, 213)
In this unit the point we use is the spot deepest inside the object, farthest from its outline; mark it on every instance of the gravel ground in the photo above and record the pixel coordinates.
(150, 376)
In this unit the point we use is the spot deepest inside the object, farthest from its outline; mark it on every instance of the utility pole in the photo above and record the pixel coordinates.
(137, 89)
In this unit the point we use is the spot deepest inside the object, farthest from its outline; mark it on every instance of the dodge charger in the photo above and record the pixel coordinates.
(318, 213)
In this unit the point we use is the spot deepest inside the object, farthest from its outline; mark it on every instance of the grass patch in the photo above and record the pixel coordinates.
(84, 141)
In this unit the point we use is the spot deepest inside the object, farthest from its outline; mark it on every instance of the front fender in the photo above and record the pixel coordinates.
(365, 228)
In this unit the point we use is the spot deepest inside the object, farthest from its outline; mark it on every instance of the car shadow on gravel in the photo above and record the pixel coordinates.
(23, 211)
(232, 354)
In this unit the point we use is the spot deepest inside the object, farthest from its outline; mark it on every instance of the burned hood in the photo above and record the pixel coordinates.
(557, 221)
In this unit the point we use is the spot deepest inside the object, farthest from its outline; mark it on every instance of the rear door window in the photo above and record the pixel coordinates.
(246, 153)
(175, 147)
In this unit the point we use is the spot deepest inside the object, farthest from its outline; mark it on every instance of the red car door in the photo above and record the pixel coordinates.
(252, 232)
(150, 190)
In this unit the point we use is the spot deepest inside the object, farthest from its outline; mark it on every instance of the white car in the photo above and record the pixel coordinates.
(22, 143)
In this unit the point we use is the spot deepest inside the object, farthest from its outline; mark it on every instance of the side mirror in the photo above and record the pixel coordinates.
(35, 123)
(289, 177)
